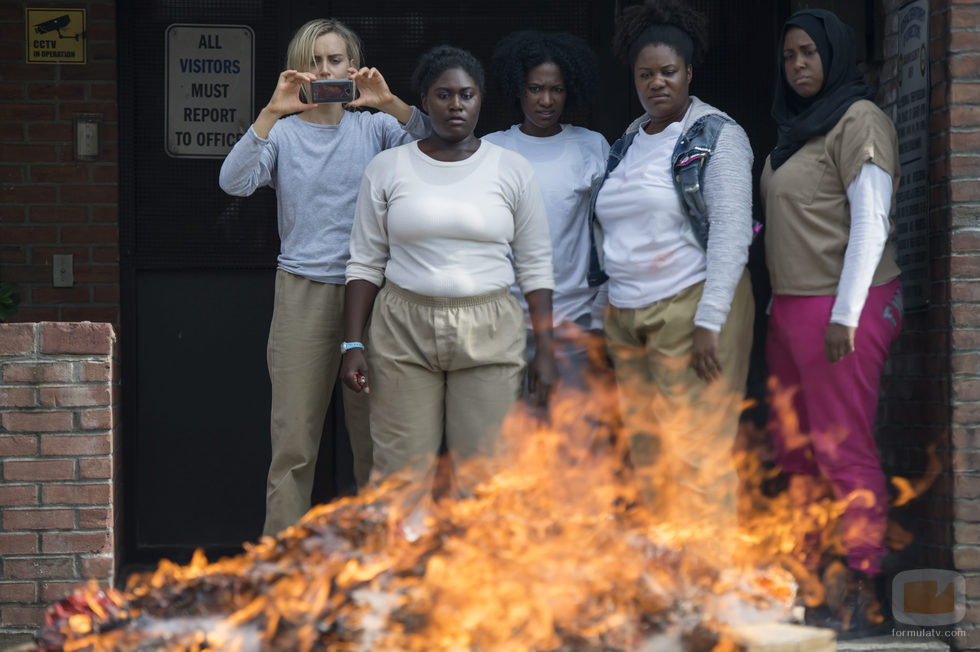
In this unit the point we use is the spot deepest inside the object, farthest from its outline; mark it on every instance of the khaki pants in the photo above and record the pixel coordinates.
(304, 361)
(452, 365)
(680, 429)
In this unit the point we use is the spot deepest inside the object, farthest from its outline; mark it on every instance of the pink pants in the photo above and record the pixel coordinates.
(835, 406)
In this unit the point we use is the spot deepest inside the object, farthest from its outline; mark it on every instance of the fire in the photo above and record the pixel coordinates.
(547, 546)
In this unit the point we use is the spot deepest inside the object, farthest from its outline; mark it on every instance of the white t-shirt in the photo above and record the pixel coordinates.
(445, 229)
(567, 165)
(641, 217)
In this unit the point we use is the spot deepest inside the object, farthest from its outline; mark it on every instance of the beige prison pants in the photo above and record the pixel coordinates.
(304, 361)
(680, 429)
(441, 364)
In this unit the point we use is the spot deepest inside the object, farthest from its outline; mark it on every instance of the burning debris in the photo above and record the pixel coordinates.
(545, 548)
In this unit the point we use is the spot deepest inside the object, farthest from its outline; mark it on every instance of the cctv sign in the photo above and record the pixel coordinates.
(55, 35)
(209, 89)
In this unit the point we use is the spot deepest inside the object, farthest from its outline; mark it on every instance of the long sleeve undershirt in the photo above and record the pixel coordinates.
(870, 197)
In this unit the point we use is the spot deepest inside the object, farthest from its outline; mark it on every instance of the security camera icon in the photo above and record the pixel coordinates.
(56, 25)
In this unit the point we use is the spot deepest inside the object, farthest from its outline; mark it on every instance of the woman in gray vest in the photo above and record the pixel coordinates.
(679, 320)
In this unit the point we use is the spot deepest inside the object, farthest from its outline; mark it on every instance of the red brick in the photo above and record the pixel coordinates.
(60, 214)
(29, 194)
(109, 110)
(37, 372)
(75, 396)
(40, 568)
(29, 111)
(105, 254)
(18, 495)
(18, 591)
(37, 421)
(28, 234)
(18, 543)
(54, 591)
(965, 290)
(43, 255)
(105, 174)
(966, 362)
(105, 194)
(97, 566)
(21, 616)
(56, 91)
(11, 173)
(96, 493)
(94, 518)
(107, 314)
(96, 419)
(95, 371)
(11, 91)
(17, 397)
(108, 91)
(12, 214)
(27, 153)
(73, 445)
(82, 338)
(967, 17)
(966, 557)
(105, 294)
(90, 234)
(964, 166)
(16, 339)
(76, 294)
(96, 273)
(50, 132)
(76, 542)
(38, 470)
(28, 274)
(59, 173)
(38, 519)
(963, 339)
(37, 313)
(17, 445)
(26, 71)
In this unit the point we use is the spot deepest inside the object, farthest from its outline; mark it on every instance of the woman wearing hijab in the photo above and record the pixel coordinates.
(828, 188)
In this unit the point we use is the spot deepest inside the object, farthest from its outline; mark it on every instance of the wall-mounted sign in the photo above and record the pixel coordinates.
(912, 122)
(209, 88)
(55, 35)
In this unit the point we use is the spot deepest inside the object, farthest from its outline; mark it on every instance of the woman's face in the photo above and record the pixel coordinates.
(802, 64)
(662, 81)
(543, 100)
(453, 103)
(330, 58)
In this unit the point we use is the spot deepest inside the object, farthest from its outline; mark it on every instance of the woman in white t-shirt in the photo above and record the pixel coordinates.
(434, 224)
(544, 74)
(679, 322)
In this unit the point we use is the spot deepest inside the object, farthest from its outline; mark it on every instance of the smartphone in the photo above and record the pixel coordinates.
(331, 90)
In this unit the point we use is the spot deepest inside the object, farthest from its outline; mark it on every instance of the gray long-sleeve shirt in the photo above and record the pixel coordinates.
(316, 171)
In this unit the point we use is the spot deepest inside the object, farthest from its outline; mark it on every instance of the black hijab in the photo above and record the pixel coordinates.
(799, 119)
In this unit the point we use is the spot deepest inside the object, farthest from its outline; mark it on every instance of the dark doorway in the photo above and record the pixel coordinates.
(198, 265)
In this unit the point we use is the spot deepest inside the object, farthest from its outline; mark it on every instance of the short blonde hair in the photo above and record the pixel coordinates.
(299, 54)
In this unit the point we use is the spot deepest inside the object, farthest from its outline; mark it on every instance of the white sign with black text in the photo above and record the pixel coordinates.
(210, 75)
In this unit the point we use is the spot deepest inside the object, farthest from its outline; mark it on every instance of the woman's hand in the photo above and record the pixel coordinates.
(285, 100)
(704, 354)
(838, 341)
(372, 87)
(542, 375)
(353, 371)
(373, 91)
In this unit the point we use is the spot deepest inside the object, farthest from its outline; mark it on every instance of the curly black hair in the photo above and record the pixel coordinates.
(661, 22)
(518, 52)
(442, 58)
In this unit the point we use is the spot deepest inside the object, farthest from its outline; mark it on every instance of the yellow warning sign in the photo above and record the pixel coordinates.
(55, 35)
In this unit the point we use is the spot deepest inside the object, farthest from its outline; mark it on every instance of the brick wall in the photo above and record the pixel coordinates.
(58, 466)
(931, 391)
(49, 202)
